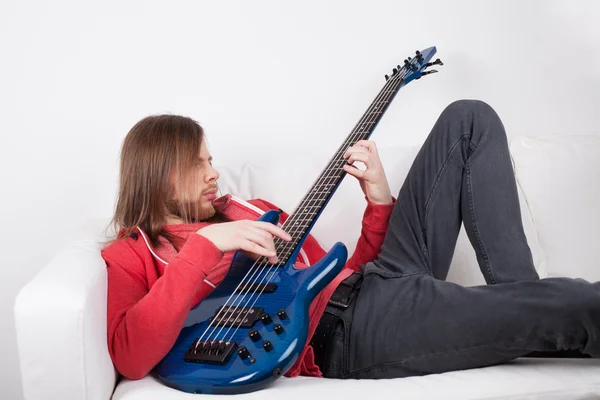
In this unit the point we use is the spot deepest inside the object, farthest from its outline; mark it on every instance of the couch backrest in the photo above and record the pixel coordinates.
(558, 183)
(560, 176)
(558, 189)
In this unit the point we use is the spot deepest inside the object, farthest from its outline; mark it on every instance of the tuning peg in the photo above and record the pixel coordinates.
(387, 77)
(406, 62)
(398, 66)
(436, 62)
(433, 71)
(395, 71)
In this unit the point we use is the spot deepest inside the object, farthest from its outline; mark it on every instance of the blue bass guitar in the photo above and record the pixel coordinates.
(251, 329)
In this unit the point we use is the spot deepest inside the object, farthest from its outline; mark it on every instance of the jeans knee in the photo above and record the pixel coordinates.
(475, 116)
(469, 107)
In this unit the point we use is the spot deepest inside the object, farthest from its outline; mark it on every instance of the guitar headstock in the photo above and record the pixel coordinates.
(415, 67)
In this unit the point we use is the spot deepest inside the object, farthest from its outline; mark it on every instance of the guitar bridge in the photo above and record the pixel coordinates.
(214, 352)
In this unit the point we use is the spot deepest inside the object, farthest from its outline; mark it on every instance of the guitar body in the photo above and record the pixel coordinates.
(253, 326)
(294, 292)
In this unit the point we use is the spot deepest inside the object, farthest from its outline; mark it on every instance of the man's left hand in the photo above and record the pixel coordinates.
(373, 181)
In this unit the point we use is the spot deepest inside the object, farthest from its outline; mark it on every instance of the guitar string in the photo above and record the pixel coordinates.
(216, 318)
(393, 79)
(276, 269)
(382, 93)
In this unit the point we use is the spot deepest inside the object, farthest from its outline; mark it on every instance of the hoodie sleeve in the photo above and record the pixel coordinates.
(144, 323)
(374, 226)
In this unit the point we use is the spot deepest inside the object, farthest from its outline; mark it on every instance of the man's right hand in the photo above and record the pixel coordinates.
(253, 238)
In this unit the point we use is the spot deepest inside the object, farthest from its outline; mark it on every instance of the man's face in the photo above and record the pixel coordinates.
(201, 179)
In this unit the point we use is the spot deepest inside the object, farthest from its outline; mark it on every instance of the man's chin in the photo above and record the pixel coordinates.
(207, 212)
(204, 213)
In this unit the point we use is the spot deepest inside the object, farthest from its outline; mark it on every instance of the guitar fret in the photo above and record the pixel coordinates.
(313, 207)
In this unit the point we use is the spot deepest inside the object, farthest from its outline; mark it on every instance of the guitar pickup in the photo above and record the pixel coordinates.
(258, 287)
(244, 317)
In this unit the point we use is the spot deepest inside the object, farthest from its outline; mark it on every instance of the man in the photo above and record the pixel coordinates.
(176, 240)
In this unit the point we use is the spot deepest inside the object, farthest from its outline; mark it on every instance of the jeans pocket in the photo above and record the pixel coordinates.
(374, 268)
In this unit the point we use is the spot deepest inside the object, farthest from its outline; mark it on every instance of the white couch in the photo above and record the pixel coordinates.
(61, 314)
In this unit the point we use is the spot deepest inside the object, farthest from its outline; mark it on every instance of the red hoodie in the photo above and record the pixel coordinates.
(151, 290)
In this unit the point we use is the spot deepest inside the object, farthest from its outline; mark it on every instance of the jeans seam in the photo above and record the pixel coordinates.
(346, 339)
(486, 260)
(403, 275)
(433, 192)
(445, 353)
(438, 178)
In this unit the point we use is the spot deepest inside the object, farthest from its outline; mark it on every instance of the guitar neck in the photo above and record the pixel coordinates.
(308, 210)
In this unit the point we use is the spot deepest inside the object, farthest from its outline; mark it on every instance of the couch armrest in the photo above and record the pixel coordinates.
(60, 319)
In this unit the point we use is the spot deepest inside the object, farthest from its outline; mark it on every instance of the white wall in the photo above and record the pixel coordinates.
(75, 76)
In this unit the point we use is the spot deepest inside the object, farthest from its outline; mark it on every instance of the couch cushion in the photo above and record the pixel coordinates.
(559, 177)
(524, 378)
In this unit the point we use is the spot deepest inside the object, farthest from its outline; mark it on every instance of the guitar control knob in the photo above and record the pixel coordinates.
(278, 328)
(282, 314)
(254, 335)
(266, 319)
(267, 345)
(243, 352)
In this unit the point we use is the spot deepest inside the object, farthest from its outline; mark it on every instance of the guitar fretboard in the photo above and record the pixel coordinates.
(300, 221)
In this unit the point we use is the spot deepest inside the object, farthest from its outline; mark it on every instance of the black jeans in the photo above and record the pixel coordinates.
(407, 320)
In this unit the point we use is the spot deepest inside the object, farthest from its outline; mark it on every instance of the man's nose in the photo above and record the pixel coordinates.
(213, 175)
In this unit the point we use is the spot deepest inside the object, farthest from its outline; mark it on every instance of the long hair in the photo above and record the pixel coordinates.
(152, 150)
